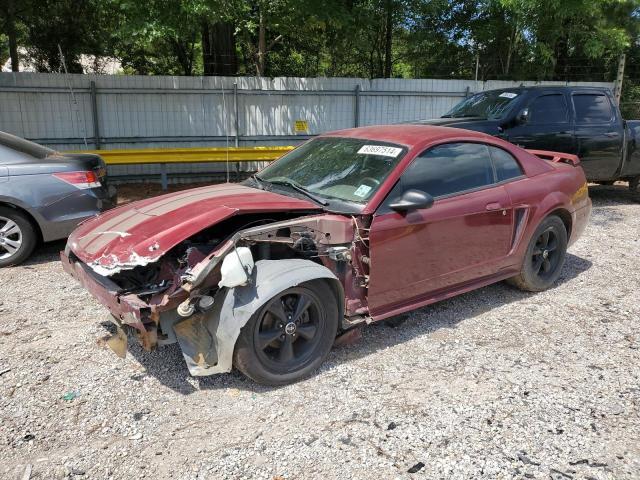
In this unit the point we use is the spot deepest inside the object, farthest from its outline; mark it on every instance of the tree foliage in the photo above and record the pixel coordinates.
(501, 39)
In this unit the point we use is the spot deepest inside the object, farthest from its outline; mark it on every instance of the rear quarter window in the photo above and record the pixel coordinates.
(506, 165)
(592, 108)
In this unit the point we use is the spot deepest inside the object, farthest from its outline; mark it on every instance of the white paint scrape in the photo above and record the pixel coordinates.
(116, 266)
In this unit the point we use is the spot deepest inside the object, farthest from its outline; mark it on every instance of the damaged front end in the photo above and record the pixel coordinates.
(203, 290)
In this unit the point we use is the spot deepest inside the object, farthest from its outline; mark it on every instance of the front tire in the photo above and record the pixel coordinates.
(544, 258)
(290, 336)
(18, 238)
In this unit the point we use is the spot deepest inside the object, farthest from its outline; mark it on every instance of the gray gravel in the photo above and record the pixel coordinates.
(492, 384)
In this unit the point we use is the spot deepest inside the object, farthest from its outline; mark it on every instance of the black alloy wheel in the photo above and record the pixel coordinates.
(289, 330)
(545, 256)
(290, 335)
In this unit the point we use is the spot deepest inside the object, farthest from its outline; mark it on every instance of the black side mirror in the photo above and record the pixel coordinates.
(523, 117)
(412, 200)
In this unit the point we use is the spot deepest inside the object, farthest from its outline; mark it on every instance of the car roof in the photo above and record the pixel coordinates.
(409, 135)
(523, 88)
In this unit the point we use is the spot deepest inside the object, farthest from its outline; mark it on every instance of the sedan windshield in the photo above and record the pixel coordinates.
(345, 169)
(488, 105)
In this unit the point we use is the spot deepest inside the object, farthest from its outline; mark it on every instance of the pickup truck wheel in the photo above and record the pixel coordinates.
(544, 258)
(290, 336)
(18, 238)
(634, 186)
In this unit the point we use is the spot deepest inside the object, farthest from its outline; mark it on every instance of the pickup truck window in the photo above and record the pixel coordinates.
(506, 166)
(449, 169)
(592, 108)
(549, 109)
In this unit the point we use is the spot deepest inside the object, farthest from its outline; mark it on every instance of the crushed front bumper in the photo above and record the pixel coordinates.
(133, 317)
(127, 310)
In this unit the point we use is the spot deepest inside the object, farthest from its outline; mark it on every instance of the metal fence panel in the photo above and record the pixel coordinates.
(165, 111)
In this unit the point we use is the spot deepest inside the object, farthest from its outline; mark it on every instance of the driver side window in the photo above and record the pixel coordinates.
(450, 169)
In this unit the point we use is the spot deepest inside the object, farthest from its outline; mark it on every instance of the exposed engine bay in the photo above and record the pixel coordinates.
(179, 297)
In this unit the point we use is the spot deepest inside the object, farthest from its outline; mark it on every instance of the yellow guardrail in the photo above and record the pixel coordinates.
(189, 155)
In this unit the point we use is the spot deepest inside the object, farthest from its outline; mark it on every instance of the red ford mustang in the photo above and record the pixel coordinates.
(352, 227)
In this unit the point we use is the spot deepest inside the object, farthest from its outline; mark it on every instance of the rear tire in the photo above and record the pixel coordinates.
(289, 337)
(544, 257)
(634, 186)
(18, 237)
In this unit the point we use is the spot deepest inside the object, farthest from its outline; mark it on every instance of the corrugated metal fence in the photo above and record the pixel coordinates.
(71, 112)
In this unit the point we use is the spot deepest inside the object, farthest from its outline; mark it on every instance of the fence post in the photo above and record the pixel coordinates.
(94, 114)
(163, 176)
(356, 107)
(235, 108)
(617, 89)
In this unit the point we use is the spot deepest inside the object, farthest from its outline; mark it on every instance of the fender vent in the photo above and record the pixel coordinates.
(519, 220)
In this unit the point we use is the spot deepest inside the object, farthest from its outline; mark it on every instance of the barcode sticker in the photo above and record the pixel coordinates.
(380, 150)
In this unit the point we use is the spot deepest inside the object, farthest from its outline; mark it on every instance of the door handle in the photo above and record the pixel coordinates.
(493, 206)
(612, 134)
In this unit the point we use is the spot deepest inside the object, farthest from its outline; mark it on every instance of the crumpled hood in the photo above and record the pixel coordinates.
(141, 232)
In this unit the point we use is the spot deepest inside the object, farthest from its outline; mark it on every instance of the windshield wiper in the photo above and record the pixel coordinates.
(296, 187)
(260, 182)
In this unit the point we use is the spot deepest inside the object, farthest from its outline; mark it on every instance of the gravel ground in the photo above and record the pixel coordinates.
(492, 384)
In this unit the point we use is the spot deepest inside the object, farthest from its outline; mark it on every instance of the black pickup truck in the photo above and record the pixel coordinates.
(584, 121)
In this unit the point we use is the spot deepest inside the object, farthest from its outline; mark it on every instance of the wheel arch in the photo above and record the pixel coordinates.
(565, 216)
(234, 307)
(27, 214)
(555, 203)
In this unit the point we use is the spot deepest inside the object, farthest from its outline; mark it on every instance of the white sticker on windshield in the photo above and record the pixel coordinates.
(380, 150)
(362, 190)
(508, 95)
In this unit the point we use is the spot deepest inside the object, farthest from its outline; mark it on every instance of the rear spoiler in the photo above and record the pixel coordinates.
(556, 157)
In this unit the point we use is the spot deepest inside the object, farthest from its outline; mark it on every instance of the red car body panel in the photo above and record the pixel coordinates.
(451, 243)
(385, 262)
(141, 232)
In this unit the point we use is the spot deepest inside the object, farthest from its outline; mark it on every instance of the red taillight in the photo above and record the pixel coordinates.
(80, 180)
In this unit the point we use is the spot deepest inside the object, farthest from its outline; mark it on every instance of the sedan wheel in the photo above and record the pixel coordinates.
(10, 238)
(289, 336)
(17, 237)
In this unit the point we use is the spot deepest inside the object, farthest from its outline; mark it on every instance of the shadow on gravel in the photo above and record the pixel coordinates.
(609, 195)
(45, 253)
(447, 314)
(167, 364)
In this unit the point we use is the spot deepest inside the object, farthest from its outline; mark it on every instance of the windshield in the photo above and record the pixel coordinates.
(345, 169)
(488, 105)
